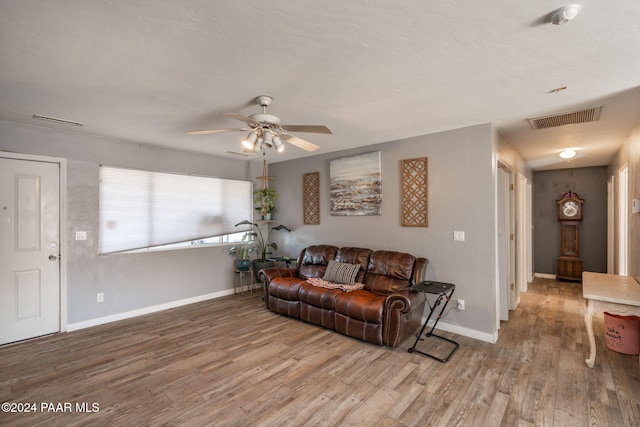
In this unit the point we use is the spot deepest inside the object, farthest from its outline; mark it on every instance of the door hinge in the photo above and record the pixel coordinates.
(513, 287)
(511, 236)
(511, 187)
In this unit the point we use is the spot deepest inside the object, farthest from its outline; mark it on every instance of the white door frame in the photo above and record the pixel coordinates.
(611, 221)
(505, 242)
(529, 232)
(63, 223)
(623, 220)
(523, 236)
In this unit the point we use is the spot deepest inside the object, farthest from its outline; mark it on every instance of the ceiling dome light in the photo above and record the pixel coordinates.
(564, 14)
(567, 154)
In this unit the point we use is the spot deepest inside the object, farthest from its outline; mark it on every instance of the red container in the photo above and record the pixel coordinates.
(622, 333)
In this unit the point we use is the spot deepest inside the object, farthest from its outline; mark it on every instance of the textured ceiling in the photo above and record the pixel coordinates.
(147, 71)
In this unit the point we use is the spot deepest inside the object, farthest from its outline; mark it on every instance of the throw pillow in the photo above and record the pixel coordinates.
(341, 272)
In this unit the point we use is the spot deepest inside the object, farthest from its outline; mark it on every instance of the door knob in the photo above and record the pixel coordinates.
(52, 257)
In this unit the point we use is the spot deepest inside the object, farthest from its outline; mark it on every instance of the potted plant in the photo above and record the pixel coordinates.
(263, 245)
(265, 199)
(242, 251)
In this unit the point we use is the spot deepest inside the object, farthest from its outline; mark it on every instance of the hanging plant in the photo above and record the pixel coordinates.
(265, 199)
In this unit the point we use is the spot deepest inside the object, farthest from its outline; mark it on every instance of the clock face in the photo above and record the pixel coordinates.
(570, 209)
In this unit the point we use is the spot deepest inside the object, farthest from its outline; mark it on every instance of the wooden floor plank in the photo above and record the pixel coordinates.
(231, 362)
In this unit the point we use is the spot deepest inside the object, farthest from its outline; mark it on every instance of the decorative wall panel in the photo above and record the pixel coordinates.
(311, 197)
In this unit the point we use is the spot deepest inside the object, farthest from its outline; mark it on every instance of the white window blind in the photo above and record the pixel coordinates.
(139, 209)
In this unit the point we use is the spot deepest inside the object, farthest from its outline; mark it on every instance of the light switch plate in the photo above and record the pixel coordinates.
(458, 236)
(81, 235)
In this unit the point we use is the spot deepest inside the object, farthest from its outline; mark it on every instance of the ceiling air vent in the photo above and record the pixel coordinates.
(235, 153)
(585, 115)
(55, 120)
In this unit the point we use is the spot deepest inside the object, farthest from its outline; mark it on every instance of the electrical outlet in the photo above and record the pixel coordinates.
(100, 297)
(460, 304)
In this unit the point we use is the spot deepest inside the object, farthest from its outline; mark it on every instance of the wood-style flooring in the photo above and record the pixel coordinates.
(230, 362)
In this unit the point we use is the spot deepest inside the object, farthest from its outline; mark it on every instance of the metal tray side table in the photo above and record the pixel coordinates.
(444, 291)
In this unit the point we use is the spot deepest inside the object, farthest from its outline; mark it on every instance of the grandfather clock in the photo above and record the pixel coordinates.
(569, 215)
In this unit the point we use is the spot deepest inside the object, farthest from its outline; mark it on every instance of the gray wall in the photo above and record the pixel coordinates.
(461, 197)
(591, 185)
(129, 281)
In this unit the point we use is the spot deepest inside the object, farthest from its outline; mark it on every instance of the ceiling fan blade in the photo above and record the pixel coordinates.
(242, 118)
(208, 131)
(307, 129)
(299, 142)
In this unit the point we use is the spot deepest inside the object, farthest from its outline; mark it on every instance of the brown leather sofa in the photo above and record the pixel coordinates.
(385, 312)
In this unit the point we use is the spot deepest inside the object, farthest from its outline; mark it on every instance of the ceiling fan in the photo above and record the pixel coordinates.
(265, 130)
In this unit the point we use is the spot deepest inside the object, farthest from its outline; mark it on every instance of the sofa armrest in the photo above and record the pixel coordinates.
(403, 315)
(404, 301)
(266, 275)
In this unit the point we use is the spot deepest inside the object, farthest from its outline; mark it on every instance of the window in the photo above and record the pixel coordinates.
(141, 209)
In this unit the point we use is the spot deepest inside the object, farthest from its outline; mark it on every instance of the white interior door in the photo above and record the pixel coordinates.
(29, 249)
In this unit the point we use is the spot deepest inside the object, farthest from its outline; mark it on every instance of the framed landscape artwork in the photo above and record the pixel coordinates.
(355, 185)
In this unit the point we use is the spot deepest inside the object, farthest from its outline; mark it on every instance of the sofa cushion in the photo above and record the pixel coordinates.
(355, 256)
(314, 259)
(318, 297)
(341, 272)
(389, 271)
(361, 305)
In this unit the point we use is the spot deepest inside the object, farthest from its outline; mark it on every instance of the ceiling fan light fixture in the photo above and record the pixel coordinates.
(567, 154)
(266, 130)
(249, 140)
(268, 139)
(257, 146)
(277, 142)
(564, 14)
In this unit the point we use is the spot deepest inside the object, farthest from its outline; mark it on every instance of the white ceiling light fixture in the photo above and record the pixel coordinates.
(564, 14)
(567, 154)
(249, 140)
(277, 142)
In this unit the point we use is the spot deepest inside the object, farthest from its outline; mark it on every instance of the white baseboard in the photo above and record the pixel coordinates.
(545, 276)
(443, 326)
(466, 332)
(146, 310)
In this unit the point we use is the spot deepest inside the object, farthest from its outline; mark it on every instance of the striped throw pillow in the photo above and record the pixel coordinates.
(341, 272)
